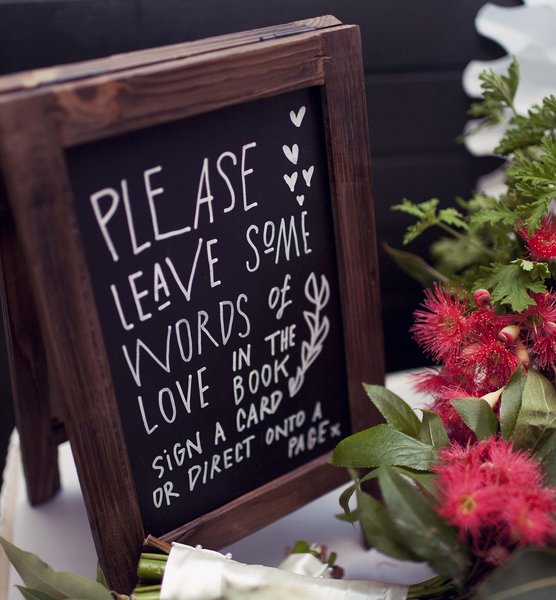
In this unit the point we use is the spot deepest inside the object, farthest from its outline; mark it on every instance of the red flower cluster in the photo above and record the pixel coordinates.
(495, 496)
(479, 349)
(538, 324)
(542, 242)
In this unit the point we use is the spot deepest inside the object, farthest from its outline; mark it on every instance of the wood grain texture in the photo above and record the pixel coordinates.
(41, 205)
(345, 110)
(31, 390)
(110, 105)
(251, 511)
(36, 125)
(33, 79)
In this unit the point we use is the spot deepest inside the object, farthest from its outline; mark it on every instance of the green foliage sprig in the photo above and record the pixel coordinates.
(482, 245)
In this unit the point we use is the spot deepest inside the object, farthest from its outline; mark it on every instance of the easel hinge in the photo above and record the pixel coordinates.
(287, 32)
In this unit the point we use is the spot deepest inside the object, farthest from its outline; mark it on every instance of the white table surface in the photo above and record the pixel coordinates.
(58, 530)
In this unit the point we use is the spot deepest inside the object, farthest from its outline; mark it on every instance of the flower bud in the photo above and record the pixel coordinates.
(522, 354)
(497, 555)
(549, 327)
(509, 334)
(482, 298)
(493, 397)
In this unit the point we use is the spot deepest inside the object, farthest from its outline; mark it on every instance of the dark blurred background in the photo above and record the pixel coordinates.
(414, 52)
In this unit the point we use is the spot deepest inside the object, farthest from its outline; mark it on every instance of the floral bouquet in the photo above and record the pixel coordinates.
(470, 487)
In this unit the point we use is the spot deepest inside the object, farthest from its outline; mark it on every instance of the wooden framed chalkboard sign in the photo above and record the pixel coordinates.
(190, 279)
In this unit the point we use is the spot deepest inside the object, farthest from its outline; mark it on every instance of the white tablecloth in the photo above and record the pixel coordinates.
(58, 530)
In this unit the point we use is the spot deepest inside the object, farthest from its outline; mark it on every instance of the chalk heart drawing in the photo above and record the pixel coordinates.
(308, 175)
(292, 154)
(291, 180)
(300, 199)
(297, 118)
(318, 295)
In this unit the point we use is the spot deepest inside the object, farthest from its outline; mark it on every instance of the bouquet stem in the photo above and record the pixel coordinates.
(150, 570)
(146, 592)
(437, 587)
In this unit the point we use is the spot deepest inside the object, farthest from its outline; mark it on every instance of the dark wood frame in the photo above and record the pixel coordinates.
(63, 371)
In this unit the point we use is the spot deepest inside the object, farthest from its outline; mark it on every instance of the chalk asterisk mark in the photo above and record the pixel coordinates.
(335, 430)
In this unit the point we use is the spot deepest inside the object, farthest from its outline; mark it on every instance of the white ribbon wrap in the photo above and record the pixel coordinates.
(198, 574)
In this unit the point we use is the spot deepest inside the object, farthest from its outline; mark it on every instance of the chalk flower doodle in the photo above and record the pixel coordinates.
(319, 326)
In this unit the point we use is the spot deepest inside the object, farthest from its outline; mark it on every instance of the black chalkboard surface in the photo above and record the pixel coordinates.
(191, 283)
(211, 249)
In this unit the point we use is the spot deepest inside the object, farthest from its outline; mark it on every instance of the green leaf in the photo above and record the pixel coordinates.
(534, 206)
(528, 265)
(422, 478)
(39, 576)
(301, 547)
(546, 453)
(397, 413)
(527, 131)
(511, 402)
(537, 416)
(424, 532)
(415, 266)
(501, 87)
(352, 517)
(347, 494)
(549, 467)
(432, 430)
(545, 447)
(536, 177)
(451, 216)
(478, 415)
(519, 137)
(453, 254)
(425, 213)
(344, 499)
(531, 210)
(379, 529)
(30, 594)
(498, 93)
(494, 214)
(511, 283)
(101, 578)
(529, 574)
(382, 446)
(422, 210)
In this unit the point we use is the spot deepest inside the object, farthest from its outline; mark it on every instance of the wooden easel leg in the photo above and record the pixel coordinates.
(31, 388)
